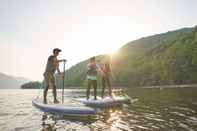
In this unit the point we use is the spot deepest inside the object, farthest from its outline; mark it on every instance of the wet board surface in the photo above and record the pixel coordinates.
(63, 109)
(105, 102)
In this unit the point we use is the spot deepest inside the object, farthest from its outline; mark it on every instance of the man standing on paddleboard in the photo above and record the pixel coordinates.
(51, 67)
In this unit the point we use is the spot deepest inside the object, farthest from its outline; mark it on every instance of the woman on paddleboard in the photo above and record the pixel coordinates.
(92, 70)
(105, 76)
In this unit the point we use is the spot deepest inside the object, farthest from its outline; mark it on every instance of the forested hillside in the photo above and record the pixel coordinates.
(162, 59)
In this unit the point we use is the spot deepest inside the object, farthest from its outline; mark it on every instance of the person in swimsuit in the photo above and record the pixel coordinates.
(49, 78)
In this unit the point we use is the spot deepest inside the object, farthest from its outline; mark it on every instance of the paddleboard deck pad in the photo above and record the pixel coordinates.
(106, 102)
(62, 109)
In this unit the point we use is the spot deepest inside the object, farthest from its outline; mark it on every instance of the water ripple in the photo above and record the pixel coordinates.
(150, 112)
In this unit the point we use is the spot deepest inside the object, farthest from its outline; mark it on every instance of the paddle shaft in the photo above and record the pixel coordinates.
(63, 83)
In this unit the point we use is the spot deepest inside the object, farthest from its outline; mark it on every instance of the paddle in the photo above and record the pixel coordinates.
(63, 82)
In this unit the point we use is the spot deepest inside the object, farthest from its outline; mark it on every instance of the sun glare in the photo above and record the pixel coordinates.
(113, 52)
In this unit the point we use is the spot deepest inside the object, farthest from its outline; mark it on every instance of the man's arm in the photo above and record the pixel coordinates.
(63, 60)
(58, 69)
(55, 63)
(99, 69)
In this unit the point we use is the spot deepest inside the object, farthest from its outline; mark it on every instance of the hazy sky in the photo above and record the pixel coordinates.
(30, 29)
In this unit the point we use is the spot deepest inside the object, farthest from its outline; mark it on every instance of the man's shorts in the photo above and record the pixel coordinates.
(91, 77)
(49, 78)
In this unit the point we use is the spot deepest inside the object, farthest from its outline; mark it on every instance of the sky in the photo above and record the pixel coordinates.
(30, 29)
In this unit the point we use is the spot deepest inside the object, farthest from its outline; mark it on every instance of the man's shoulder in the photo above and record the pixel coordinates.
(51, 57)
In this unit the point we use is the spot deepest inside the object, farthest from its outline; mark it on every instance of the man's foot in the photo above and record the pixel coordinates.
(56, 101)
(111, 97)
(45, 101)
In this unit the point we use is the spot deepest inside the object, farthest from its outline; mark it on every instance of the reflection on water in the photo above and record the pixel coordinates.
(108, 119)
(167, 109)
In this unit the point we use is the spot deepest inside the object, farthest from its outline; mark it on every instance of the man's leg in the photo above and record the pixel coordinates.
(54, 89)
(103, 87)
(55, 94)
(95, 89)
(88, 89)
(45, 90)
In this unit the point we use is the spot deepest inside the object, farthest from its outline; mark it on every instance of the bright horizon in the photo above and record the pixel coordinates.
(30, 29)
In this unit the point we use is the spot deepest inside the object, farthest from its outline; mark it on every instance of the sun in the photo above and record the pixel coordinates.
(113, 51)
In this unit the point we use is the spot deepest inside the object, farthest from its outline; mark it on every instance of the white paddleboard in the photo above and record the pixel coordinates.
(67, 110)
(105, 102)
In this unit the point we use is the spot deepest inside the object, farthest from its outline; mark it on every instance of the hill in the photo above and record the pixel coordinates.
(10, 82)
(162, 59)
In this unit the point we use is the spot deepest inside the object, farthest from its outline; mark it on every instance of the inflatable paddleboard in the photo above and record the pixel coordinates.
(106, 102)
(63, 109)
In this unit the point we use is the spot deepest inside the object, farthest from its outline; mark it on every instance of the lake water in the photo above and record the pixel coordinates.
(172, 109)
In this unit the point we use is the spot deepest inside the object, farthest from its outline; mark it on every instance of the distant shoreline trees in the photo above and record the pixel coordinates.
(31, 85)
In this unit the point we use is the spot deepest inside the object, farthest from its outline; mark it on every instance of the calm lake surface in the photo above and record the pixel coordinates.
(170, 109)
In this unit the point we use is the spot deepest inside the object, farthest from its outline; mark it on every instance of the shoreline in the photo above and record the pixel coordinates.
(145, 87)
(171, 86)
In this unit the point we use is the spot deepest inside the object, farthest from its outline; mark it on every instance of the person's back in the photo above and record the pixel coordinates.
(50, 67)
